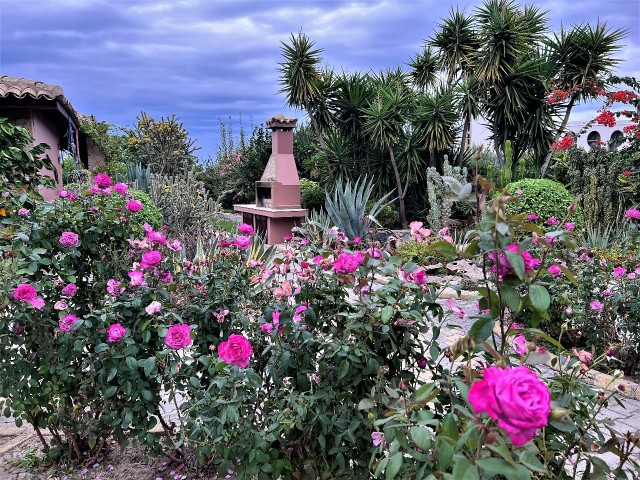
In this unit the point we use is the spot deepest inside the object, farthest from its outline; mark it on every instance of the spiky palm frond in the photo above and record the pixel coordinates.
(457, 43)
(435, 119)
(299, 73)
(424, 69)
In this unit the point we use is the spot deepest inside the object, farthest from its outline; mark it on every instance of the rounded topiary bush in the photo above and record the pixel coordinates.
(312, 195)
(544, 198)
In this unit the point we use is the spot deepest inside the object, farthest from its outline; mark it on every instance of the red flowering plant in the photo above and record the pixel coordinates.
(485, 408)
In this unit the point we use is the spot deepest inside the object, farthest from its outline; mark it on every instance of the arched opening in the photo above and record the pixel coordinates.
(617, 139)
(593, 139)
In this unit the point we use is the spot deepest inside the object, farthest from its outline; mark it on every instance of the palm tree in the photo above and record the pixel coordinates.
(584, 56)
(424, 69)
(435, 119)
(386, 116)
(457, 43)
(508, 36)
(302, 82)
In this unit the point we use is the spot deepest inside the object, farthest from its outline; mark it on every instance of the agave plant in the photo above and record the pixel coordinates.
(348, 204)
(139, 176)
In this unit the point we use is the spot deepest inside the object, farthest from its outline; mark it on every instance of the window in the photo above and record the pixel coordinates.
(617, 139)
(593, 138)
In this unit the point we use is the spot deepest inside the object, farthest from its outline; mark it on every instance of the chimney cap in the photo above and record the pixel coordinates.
(280, 121)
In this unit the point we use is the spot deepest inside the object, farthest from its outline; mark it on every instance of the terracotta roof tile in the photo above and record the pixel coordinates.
(23, 87)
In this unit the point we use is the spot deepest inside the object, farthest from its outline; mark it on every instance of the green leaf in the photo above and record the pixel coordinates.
(387, 313)
(530, 461)
(110, 391)
(394, 466)
(539, 297)
(422, 437)
(366, 404)
(463, 469)
(444, 248)
(517, 263)
(510, 297)
(132, 363)
(496, 466)
(343, 369)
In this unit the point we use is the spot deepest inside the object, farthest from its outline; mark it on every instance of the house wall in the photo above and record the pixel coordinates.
(44, 131)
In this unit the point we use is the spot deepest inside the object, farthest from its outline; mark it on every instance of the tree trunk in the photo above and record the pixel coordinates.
(323, 144)
(563, 125)
(401, 193)
(497, 147)
(463, 144)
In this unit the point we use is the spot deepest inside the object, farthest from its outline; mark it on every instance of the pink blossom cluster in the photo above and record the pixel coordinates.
(502, 265)
(26, 293)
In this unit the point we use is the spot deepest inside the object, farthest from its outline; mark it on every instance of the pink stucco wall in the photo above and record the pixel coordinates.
(44, 131)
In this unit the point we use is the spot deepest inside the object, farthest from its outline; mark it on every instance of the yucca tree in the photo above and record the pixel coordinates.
(302, 81)
(584, 55)
(508, 35)
(385, 119)
(424, 69)
(457, 43)
(435, 120)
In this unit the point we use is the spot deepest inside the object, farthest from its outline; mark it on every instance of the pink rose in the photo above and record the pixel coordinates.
(25, 293)
(552, 221)
(377, 438)
(63, 193)
(70, 289)
(570, 226)
(60, 305)
(455, 309)
(113, 287)
(175, 245)
(236, 351)
(37, 303)
(246, 229)
(115, 333)
(66, 323)
(242, 242)
(133, 206)
(347, 263)
(69, 239)
(532, 217)
(516, 398)
(619, 272)
(596, 306)
(178, 336)
(137, 278)
(151, 259)
(121, 188)
(520, 345)
(632, 214)
(417, 276)
(297, 316)
(554, 270)
(156, 237)
(102, 180)
(153, 307)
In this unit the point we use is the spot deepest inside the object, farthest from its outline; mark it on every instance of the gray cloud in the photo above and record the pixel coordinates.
(206, 59)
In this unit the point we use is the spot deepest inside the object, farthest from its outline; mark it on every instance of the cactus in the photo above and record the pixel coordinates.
(440, 195)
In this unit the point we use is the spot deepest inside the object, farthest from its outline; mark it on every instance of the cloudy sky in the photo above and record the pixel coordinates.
(210, 59)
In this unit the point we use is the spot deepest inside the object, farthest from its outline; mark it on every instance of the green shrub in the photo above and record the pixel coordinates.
(388, 216)
(544, 198)
(312, 195)
(419, 253)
